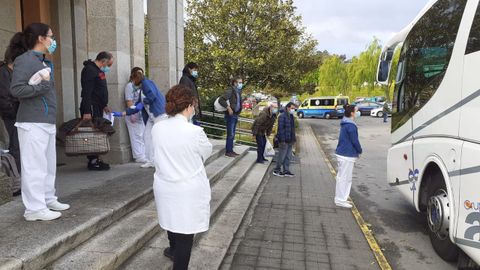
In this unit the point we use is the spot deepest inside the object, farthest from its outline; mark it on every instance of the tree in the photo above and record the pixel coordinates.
(262, 40)
(332, 77)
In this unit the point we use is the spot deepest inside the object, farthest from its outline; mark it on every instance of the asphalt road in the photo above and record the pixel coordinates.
(399, 229)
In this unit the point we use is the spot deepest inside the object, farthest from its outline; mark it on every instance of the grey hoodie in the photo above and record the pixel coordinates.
(38, 103)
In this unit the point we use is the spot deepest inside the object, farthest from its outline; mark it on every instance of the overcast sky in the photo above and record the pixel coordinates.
(347, 26)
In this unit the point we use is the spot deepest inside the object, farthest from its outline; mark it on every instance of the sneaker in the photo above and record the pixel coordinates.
(260, 162)
(278, 173)
(343, 204)
(230, 154)
(168, 253)
(266, 160)
(288, 174)
(148, 165)
(98, 166)
(57, 206)
(43, 215)
(17, 193)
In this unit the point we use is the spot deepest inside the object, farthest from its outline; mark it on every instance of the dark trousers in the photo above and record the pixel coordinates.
(261, 143)
(231, 129)
(14, 146)
(385, 117)
(181, 247)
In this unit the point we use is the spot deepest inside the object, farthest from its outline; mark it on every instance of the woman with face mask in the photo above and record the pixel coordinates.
(135, 124)
(347, 152)
(152, 105)
(181, 187)
(35, 121)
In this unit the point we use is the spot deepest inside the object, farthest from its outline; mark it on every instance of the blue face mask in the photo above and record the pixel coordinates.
(195, 73)
(105, 69)
(275, 111)
(52, 47)
(239, 86)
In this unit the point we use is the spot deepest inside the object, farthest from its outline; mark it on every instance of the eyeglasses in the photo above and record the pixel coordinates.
(52, 37)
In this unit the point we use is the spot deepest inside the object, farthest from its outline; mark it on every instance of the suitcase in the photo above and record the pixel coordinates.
(82, 141)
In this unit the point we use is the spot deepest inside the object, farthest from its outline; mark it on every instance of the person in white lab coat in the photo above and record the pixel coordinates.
(347, 152)
(135, 124)
(181, 187)
(35, 121)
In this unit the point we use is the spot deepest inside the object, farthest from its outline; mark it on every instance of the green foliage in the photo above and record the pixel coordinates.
(354, 78)
(262, 40)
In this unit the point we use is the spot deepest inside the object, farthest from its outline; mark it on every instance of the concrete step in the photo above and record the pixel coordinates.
(111, 247)
(212, 248)
(34, 245)
(229, 201)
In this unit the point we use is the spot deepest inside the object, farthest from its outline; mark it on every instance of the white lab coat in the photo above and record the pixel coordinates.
(135, 125)
(181, 187)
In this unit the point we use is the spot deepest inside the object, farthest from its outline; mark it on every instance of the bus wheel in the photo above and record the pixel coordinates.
(327, 116)
(300, 114)
(438, 218)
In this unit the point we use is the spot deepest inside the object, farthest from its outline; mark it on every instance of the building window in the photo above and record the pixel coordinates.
(425, 57)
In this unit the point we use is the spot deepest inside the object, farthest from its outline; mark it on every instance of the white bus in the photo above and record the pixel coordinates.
(434, 159)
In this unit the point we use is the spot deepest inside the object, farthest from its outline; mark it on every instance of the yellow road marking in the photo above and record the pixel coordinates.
(372, 242)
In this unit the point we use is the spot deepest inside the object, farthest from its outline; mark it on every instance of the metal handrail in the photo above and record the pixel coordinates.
(221, 115)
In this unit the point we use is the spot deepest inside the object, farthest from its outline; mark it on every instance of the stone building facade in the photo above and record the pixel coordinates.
(85, 27)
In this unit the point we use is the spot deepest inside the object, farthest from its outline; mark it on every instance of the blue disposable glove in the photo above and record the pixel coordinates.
(139, 106)
(117, 114)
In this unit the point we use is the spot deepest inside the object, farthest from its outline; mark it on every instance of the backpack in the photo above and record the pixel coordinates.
(9, 167)
(218, 107)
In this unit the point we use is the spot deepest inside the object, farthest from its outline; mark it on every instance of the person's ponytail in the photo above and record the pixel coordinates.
(26, 40)
(16, 47)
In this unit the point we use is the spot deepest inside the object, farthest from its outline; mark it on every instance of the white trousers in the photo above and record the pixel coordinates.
(136, 130)
(344, 178)
(39, 165)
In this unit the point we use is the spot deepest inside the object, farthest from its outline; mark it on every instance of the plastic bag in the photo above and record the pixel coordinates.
(269, 151)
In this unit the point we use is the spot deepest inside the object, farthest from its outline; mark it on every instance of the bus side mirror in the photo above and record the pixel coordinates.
(384, 66)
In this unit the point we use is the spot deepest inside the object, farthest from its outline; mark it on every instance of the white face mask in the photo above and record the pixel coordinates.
(357, 114)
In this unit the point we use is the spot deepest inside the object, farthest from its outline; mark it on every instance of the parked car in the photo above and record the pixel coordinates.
(247, 105)
(378, 112)
(365, 108)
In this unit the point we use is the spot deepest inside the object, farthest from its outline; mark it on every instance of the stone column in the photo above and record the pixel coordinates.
(137, 33)
(180, 39)
(61, 23)
(163, 41)
(107, 30)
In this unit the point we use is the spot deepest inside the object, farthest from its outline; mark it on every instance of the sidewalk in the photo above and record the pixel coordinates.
(296, 225)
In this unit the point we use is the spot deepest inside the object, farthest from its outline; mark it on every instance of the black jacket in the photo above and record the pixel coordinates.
(8, 103)
(94, 89)
(231, 95)
(189, 81)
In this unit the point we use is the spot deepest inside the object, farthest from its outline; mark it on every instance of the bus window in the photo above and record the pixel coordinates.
(474, 39)
(305, 103)
(425, 57)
